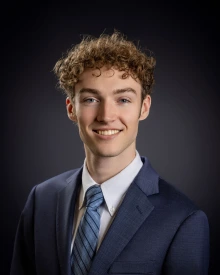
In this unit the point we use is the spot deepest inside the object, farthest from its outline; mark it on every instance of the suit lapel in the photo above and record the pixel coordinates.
(64, 220)
(133, 211)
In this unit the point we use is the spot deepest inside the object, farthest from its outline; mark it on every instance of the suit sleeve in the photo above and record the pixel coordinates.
(189, 251)
(23, 254)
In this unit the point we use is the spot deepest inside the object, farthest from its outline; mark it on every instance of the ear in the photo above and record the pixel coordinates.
(70, 107)
(145, 108)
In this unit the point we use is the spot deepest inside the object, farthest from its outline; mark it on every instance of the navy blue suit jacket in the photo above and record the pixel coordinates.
(157, 230)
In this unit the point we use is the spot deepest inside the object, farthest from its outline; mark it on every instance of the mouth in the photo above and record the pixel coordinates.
(107, 132)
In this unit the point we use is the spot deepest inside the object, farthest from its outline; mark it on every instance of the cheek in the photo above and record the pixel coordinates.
(83, 117)
(131, 116)
(82, 131)
(86, 113)
(84, 120)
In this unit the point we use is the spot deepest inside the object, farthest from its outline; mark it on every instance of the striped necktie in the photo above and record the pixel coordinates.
(86, 239)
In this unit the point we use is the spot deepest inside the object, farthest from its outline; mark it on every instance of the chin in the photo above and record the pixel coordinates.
(111, 150)
(108, 152)
(105, 152)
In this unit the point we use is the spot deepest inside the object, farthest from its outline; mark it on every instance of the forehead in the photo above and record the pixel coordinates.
(106, 80)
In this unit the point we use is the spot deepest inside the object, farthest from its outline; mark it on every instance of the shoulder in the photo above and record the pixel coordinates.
(55, 184)
(170, 192)
(44, 195)
(174, 202)
(160, 192)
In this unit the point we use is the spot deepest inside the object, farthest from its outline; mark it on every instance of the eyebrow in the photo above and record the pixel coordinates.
(97, 92)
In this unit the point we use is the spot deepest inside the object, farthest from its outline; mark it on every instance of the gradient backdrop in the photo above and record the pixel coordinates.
(180, 137)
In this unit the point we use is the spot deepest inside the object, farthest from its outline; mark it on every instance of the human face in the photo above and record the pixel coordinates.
(107, 110)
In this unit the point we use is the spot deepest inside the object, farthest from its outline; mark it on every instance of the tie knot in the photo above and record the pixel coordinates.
(94, 197)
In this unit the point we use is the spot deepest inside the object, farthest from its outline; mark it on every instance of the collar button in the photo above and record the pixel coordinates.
(112, 210)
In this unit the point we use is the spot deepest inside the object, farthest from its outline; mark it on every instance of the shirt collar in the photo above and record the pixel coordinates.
(113, 189)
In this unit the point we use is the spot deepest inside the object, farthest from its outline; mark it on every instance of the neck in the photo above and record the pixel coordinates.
(103, 168)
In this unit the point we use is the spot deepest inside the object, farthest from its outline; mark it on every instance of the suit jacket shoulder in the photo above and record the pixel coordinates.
(169, 194)
(57, 182)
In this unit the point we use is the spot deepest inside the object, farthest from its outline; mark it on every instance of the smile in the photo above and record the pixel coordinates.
(107, 132)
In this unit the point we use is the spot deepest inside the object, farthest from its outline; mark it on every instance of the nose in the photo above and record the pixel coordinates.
(107, 112)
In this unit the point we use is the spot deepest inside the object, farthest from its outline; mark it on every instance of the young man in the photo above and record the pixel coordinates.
(115, 215)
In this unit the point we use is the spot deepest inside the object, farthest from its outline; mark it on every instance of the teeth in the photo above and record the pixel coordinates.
(108, 132)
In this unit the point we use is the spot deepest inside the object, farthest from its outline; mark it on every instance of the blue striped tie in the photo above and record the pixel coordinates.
(86, 239)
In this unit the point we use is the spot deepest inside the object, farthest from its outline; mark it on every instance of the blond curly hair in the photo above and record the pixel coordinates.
(112, 51)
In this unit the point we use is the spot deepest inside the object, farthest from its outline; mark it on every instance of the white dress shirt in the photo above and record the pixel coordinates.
(114, 190)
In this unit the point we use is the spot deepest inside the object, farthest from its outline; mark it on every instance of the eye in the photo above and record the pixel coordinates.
(90, 100)
(124, 100)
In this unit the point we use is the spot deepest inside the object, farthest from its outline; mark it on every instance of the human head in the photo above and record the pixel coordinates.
(109, 51)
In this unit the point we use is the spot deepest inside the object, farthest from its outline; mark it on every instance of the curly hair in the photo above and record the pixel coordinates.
(112, 51)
